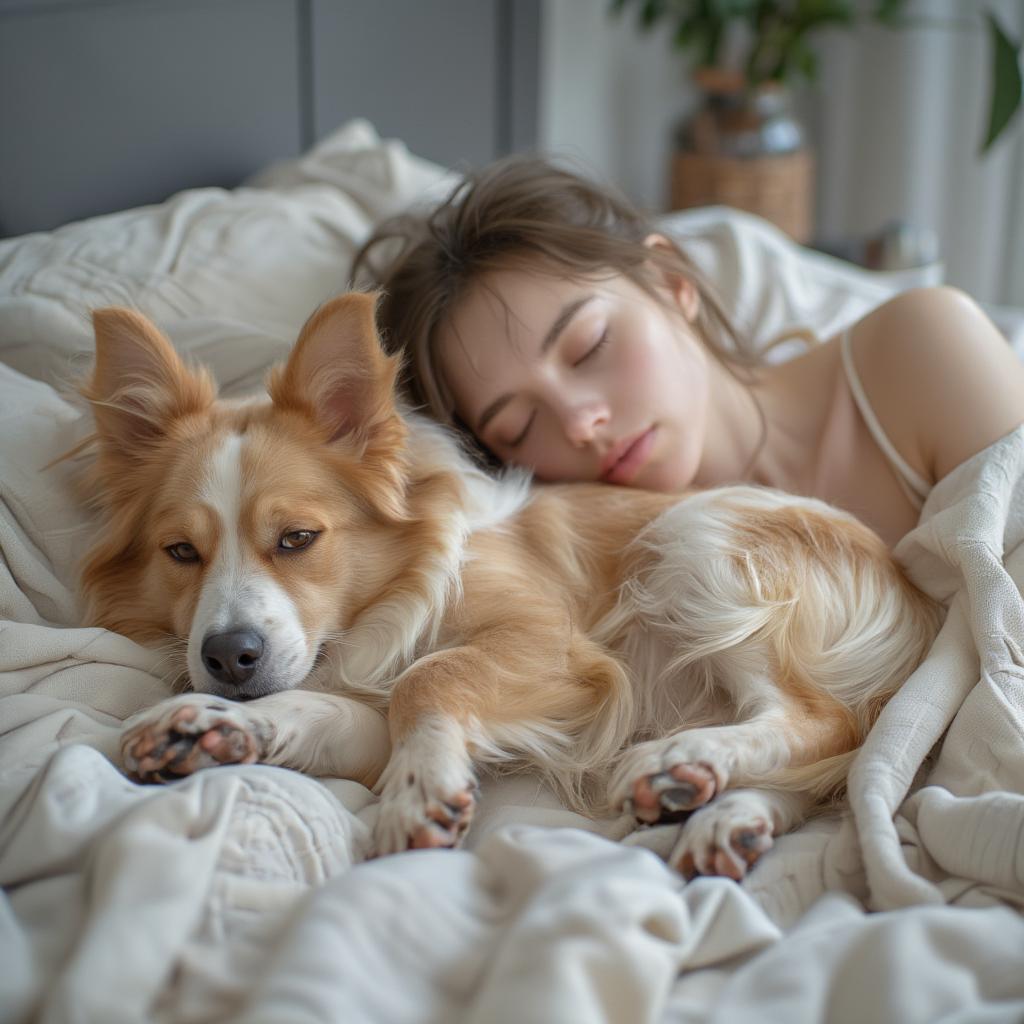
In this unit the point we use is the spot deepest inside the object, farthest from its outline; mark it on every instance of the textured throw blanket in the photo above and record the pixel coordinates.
(961, 836)
(243, 893)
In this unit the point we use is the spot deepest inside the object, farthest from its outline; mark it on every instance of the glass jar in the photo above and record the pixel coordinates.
(735, 120)
(743, 147)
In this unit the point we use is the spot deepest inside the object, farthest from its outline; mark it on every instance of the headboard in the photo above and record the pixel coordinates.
(109, 104)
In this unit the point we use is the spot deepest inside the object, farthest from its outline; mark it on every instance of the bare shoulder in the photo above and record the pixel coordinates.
(941, 378)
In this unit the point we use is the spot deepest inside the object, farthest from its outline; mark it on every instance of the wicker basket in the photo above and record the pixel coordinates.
(779, 188)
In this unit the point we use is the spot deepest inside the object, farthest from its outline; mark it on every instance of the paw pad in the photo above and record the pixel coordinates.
(732, 858)
(446, 824)
(185, 740)
(672, 794)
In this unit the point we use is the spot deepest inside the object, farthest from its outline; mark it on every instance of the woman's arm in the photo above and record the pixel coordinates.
(942, 380)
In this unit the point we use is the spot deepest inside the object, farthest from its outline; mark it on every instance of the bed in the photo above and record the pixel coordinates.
(246, 893)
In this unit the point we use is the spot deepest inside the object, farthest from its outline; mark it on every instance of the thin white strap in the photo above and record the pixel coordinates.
(915, 486)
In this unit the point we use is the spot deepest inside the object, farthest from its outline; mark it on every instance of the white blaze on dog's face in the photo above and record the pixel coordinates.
(252, 531)
(251, 549)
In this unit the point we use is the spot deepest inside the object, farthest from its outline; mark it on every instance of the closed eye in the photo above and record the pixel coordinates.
(594, 349)
(522, 433)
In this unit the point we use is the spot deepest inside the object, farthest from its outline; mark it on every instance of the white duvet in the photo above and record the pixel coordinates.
(243, 893)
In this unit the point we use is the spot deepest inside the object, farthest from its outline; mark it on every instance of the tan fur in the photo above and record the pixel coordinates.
(787, 544)
(524, 640)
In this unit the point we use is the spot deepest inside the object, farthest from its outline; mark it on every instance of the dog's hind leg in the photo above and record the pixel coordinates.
(318, 733)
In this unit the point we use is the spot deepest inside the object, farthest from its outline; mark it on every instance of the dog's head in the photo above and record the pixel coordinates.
(252, 531)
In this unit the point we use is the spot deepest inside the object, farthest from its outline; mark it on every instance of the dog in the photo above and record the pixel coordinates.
(349, 594)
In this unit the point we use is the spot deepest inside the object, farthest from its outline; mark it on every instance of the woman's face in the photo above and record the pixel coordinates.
(588, 379)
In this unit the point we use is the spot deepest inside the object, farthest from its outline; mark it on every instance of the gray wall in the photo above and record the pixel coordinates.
(109, 104)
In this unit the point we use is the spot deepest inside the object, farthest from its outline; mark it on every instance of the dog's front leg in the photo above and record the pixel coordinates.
(317, 733)
(662, 779)
(693, 776)
(729, 835)
(782, 727)
(428, 790)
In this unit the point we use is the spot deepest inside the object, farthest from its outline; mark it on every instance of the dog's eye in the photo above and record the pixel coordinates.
(297, 539)
(183, 552)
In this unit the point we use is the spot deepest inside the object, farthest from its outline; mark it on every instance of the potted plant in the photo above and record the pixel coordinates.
(743, 146)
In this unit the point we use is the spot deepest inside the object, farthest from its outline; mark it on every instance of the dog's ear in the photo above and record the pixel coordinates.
(339, 376)
(338, 373)
(139, 384)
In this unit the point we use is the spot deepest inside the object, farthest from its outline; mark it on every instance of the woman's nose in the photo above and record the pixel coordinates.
(582, 423)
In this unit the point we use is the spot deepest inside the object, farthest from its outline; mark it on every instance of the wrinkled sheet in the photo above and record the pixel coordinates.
(244, 893)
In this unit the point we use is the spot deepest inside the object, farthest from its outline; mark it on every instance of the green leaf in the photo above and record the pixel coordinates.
(1006, 81)
(691, 33)
(805, 60)
(748, 9)
(651, 12)
(889, 11)
(818, 12)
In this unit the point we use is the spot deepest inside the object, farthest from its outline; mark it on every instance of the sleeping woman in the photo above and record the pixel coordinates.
(546, 318)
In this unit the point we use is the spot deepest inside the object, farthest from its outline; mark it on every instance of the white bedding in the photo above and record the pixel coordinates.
(240, 894)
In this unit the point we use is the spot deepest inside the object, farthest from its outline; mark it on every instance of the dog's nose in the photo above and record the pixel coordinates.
(232, 657)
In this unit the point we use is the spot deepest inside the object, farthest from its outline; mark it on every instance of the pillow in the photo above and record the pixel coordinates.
(772, 285)
(231, 276)
(381, 176)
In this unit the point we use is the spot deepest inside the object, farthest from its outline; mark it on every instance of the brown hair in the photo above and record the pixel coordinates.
(517, 212)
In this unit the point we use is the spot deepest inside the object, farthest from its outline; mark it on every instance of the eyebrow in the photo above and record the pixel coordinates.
(568, 311)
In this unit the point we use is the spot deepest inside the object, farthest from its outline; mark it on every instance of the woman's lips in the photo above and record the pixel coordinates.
(625, 465)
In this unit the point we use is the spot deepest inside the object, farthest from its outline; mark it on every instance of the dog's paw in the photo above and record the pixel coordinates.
(725, 838)
(427, 792)
(182, 735)
(427, 812)
(671, 794)
(664, 780)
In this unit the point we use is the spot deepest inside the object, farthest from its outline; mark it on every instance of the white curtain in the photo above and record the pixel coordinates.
(898, 117)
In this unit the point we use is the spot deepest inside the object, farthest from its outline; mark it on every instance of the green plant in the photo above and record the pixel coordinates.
(779, 47)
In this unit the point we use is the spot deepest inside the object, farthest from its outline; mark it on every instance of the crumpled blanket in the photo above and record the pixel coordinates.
(244, 893)
(960, 837)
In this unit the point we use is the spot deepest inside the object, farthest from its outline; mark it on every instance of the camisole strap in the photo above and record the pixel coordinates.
(913, 484)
